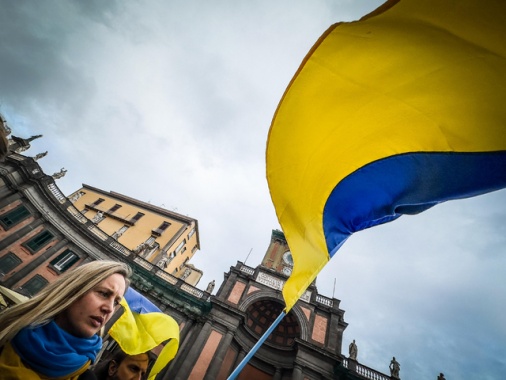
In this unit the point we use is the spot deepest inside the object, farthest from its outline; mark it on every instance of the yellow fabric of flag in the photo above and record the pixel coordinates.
(414, 80)
(138, 333)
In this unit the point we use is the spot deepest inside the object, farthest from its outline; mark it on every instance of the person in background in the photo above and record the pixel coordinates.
(56, 334)
(123, 367)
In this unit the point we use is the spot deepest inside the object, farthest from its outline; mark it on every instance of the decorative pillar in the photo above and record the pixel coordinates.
(185, 340)
(191, 357)
(241, 355)
(297, 372)
(215, 365)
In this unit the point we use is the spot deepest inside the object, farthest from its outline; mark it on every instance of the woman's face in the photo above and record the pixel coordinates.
(86, 316)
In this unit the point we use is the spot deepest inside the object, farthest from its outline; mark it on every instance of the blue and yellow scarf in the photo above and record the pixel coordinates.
(53, 352)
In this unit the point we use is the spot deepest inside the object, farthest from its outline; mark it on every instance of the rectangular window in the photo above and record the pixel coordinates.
(39, 241)
(13, 217)
(190, 234)
(114, 208)
(64, 261)
(8, 262)
(34, 285)
(98, 201)
(180, 246)
(136, 217)
(161, 228)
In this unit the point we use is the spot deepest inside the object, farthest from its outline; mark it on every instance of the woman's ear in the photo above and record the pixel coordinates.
(113, 368)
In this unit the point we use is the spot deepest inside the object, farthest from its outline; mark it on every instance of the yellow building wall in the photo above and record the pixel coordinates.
(179, 240)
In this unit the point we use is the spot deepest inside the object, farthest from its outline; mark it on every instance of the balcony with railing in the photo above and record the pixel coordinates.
(363, 371)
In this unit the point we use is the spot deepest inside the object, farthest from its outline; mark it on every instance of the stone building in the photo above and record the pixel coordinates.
(43, 234)
(306, 345)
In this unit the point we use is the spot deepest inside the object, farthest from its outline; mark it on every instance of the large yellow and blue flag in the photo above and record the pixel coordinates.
(142, 327)
(386, 116)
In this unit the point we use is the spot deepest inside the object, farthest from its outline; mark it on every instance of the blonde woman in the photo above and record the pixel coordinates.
(56, 334)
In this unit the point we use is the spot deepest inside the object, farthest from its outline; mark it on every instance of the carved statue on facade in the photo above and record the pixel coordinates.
(162, 264)
(353, 350)
(186, 273)
(40, 155)
(22, 144)
(210, 287)
(395, 368)
(76, 196)
(441, 376)
(59, 174)
(31, 138)
(98, 217)
(140, 248)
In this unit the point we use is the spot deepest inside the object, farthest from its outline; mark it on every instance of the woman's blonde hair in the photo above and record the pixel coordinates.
(58, 296)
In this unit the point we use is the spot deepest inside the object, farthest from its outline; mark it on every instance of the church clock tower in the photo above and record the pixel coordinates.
(278, 255)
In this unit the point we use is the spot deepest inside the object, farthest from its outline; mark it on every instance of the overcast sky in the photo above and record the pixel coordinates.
(170, 102)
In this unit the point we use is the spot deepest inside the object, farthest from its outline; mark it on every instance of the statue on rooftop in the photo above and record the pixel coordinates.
(353, 350)
(395, 368)
(210, 287)
(31, 138)
(59, 174)
(40, 155)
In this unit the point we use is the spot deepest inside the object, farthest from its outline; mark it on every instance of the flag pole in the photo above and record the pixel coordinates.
(255, 348)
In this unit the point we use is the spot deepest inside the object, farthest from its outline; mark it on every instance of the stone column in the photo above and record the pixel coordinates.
(227, 287)
(193, 353)
(297, 372)
(241, 355)
(184, 341)
(188, 324)
(278, 374)
(217, 361)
